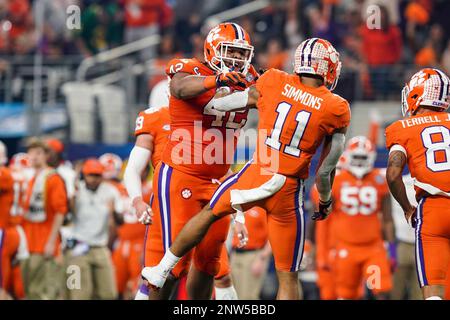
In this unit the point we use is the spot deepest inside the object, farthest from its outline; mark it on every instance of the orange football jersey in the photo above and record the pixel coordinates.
(293, 121)
(56, 202)
(20, 188)
(193, 147)
(357, 207)
(425, 139)
(6, 196)
(156, 122)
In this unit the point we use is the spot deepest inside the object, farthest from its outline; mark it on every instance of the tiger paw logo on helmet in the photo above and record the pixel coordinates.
(318, 57)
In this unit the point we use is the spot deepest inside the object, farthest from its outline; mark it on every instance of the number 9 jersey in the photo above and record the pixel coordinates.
(425, 140)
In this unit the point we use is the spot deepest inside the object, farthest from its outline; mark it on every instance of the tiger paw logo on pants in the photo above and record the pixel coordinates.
(186, 193)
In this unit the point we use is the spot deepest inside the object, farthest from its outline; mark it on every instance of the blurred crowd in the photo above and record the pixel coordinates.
(379, 47)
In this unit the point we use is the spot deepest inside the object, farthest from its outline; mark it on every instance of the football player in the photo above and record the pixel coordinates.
(297, 113)
(361, 219)
(422, 141)
(199, 152)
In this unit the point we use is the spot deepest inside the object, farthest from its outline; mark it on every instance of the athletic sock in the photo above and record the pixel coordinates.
(168, 262)
(142, 293)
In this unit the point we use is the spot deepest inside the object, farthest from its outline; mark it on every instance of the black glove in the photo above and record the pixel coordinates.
(324, 211)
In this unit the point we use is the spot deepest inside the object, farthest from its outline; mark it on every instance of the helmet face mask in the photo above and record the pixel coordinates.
(360, 155)
(229, 63)
(360, 163)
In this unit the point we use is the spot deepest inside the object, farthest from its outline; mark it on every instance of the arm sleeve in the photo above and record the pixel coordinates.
(136, 164)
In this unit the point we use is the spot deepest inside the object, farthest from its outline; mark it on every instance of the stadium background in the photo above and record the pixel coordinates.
(86, 85)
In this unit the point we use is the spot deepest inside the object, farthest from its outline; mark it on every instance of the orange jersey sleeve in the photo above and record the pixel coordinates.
(156, 122)
(6, 196)
(394, 135)
(338, 115)
(190, 66)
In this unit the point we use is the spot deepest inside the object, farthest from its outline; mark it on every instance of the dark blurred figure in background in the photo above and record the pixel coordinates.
(382, 48)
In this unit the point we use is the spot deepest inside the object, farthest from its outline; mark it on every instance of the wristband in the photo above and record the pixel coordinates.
(392, 248)
(210, 82)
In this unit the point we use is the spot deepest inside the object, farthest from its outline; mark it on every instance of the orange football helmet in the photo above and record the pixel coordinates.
(112, 165)
(360, 154)
(318, 57)
(342, 162)
(220, 40)
(428, 87)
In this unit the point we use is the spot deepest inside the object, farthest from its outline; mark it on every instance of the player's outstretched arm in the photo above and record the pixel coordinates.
(331, 152)
(138, 160)
(186, 86)
(238, 100)
(396, 164)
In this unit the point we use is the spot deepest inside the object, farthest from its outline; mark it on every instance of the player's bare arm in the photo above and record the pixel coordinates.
(332, 150)
(235, 101)
(139, 158)
(186, 86)
(396, 164)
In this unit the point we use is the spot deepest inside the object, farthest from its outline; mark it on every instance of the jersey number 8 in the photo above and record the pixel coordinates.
(441, 146)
